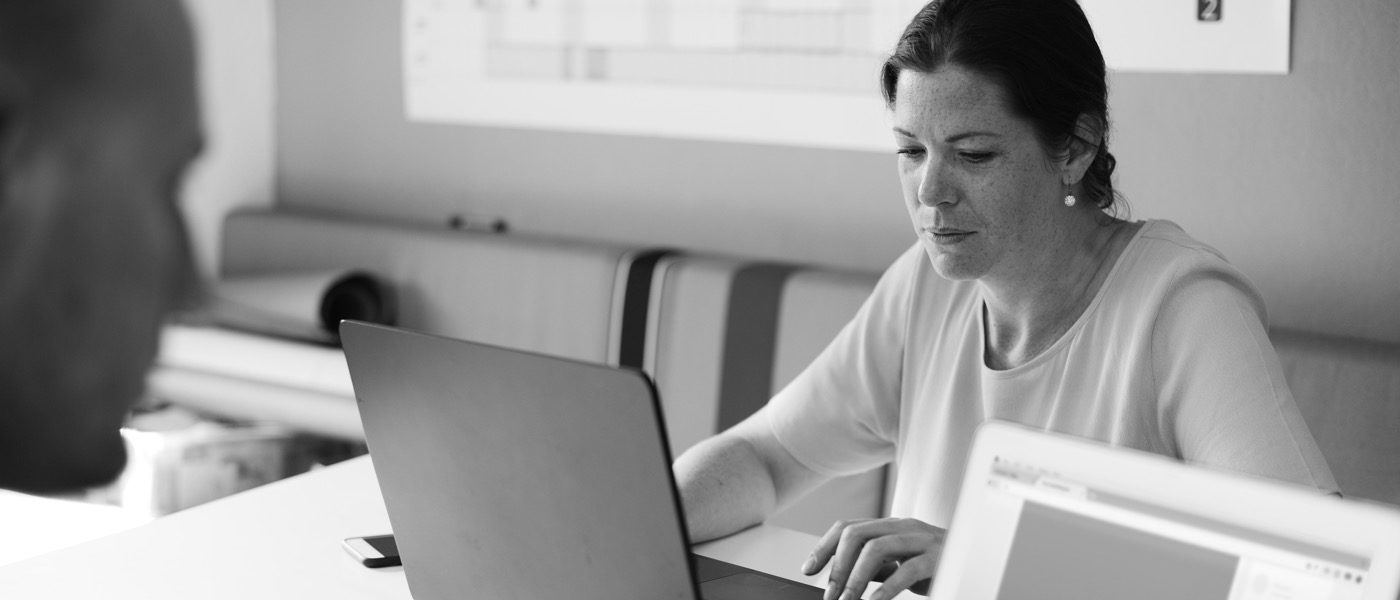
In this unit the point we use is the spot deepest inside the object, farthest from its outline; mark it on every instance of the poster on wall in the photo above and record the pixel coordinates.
(788, 72)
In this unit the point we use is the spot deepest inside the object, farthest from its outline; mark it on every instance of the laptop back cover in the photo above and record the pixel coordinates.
(515, 475)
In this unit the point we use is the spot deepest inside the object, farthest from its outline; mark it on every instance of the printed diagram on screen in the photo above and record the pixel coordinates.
(803, 45)
(797, 72)
(747, 70)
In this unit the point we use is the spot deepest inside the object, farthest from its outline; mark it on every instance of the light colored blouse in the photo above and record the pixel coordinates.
(1171, 357)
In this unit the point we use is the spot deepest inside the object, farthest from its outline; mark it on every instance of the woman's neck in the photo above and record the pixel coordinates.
(1028, 311)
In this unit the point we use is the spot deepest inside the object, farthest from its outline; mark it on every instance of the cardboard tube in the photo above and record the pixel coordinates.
(304, 305)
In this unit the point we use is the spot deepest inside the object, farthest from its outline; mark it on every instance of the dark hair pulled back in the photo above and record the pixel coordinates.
(1042, 52)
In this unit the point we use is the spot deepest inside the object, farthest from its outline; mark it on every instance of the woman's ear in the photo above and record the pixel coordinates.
(1083, 146)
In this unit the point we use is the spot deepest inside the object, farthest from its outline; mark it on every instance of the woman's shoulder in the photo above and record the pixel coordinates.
(1163, 260)
(1165, 240)
(1162, 249)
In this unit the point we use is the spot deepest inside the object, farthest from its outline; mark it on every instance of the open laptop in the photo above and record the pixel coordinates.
(1046, 516)
(509, 474)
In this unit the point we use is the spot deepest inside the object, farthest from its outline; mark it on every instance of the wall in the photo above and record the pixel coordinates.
(1296, 178)
(234, 47)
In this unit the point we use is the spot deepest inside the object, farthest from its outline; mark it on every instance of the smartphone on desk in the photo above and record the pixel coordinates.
(373, 551)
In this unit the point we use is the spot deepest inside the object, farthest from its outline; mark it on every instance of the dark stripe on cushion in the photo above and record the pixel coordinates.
(750, 337)
(632, 341)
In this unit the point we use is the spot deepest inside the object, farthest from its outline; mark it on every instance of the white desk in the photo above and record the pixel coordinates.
(283, 541)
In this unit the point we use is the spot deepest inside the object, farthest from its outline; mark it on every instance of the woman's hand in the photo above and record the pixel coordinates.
(901, 552)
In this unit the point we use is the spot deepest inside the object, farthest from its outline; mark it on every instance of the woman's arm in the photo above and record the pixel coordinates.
(738, 478)
(1222, 394)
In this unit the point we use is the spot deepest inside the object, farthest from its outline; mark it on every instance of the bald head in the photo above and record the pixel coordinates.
(44, 39)
(57, 50)
(98, 121)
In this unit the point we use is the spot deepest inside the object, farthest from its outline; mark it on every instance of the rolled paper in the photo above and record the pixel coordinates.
(307, 305)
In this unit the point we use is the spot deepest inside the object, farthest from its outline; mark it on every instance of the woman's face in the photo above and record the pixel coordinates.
(980, 187)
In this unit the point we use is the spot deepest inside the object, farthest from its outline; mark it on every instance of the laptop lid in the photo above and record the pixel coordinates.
(1047, 516)
(515, 475)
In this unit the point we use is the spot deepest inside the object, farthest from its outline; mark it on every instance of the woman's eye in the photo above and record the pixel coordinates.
(910, 152)
(976, 157)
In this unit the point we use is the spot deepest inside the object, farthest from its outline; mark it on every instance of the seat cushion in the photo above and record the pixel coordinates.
(728, 334)
(1349, 393)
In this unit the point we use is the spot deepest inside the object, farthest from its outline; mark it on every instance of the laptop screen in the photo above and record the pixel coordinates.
(1050, 536)
(1049, 516)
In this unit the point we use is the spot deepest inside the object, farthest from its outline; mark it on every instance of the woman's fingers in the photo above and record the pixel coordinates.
(912, 574)
(862, 551)
(826, 546)
(851, 541)
(881, 553)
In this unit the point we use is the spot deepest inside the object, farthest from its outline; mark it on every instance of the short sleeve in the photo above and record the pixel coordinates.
(840, 415)
(1222, 397)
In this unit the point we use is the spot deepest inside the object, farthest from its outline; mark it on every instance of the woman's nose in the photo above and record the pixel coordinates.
(933, 185)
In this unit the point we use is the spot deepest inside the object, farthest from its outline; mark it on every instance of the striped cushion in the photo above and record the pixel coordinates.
(815, 305)
(685, 344)
(726, 334)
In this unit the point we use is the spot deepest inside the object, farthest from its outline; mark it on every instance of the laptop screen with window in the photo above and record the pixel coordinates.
(1044, 535)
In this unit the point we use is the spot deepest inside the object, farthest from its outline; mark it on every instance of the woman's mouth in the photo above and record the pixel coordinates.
(946, 235)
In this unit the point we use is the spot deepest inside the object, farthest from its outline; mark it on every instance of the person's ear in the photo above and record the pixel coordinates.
(9, 130)
(11, 109)
(1083, 146)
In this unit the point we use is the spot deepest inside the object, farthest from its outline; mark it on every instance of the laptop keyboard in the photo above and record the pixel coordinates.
(720, 580)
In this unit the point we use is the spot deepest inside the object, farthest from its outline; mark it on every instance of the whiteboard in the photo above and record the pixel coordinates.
(790, 72)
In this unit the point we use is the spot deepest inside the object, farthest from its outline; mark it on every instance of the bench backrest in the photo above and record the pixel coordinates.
(721, 334)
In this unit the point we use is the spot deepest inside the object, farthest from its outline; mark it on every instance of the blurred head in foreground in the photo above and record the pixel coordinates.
(99, 119)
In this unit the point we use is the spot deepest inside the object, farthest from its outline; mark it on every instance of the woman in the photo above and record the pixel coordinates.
(1024, 300)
